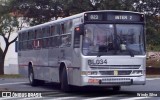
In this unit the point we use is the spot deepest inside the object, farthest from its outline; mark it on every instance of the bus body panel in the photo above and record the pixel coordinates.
(82, 70)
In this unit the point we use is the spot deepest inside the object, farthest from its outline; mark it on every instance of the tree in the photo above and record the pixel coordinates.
(8, 25)
(152, 10)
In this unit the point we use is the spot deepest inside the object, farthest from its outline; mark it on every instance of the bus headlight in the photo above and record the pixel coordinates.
(89, 73)
(137, 72)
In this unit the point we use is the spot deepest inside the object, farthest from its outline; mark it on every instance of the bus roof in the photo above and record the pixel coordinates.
(73, 16)
(114, 11)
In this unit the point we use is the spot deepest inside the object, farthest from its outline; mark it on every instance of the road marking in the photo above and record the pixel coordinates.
(12, 83)
(49, 93)
(57, 95)
(106, 97)
(11, 98)
(33, 98)
(152, 79)
(135, 98)
(62, 98)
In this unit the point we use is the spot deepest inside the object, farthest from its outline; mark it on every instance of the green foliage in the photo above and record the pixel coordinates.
(41, 11)
(7, 22)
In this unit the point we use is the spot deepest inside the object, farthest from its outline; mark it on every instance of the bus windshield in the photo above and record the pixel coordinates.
(113, 39)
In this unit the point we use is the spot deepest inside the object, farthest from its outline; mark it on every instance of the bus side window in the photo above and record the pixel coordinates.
(62, 29)
(56, 41)
(24, 45)
(40, 33)
(48, 32)
(43, 32)
(24, 36)
(29, 35)
(52, 30)
(45, 42)
(66, 40)
(40, 43)
(51, 42)
(58, 29)
(35, 36)
(30, 44)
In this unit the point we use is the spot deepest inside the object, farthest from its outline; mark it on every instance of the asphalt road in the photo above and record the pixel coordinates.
(52, 91)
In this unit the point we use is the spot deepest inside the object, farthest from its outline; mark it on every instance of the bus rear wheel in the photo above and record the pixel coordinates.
(32, 80)
(64, 81)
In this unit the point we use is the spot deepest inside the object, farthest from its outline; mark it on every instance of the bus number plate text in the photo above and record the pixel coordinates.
(97, 62)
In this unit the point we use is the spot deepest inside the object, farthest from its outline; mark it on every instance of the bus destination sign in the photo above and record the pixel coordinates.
(95, 17)
(125, 17)
(118, 17)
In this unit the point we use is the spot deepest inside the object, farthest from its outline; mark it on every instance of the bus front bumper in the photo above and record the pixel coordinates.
(112, 81)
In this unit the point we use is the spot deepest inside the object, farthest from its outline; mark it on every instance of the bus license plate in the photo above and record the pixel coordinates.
(115, 72)
(97, 62)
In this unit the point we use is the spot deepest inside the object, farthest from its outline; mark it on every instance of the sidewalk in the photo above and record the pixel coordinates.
(153, 76)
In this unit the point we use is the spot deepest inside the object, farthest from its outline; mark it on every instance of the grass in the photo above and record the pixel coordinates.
(10, 76)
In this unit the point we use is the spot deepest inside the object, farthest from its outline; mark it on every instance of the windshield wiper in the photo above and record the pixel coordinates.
(130, 51)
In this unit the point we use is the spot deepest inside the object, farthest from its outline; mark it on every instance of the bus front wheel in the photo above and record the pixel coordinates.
(64, 80)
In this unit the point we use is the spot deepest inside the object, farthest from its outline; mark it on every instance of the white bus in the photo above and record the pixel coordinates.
(94, 48)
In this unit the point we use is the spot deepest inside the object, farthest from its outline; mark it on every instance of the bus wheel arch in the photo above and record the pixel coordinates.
(31, 74)
(32, 80)
(63, 77)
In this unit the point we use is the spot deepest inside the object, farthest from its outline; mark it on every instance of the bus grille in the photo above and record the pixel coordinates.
(125, 72)
(116, 67)
(116, 81)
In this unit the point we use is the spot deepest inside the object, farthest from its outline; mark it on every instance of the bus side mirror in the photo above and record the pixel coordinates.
(16, 46)
(79, 30)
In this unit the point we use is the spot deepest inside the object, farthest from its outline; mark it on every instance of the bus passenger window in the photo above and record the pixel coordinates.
(29, 45)
(50, 42)
(29, 36)
(66, 40)
(25, 36)
(57, 41)
(48, 32)
(35, 36)
(52, 30)
(62, 29)
(43, 32)
(25, 45)
(58, 29)
(40, 33)
(45, 42)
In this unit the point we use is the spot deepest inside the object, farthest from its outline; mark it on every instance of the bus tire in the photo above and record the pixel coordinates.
(64, 81)
(116, 88)
(32, 80)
